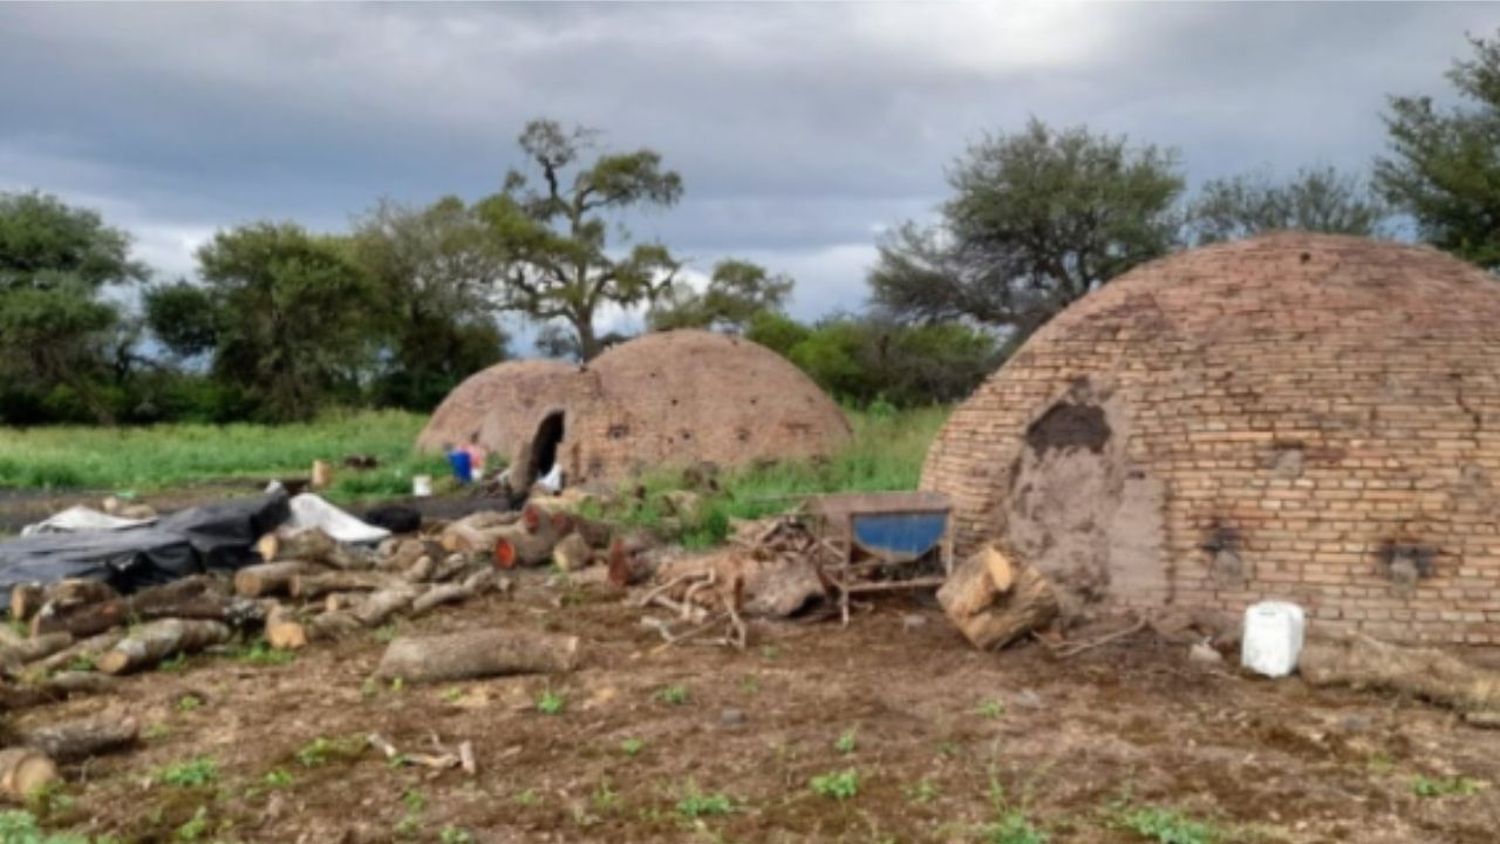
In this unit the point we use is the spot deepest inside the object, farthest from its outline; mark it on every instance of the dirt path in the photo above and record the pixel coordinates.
(944, 742)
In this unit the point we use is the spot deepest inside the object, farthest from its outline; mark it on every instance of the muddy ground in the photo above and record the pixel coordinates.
(945, 742)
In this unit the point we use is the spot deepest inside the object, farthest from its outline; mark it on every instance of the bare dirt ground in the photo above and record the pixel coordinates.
(935, 727)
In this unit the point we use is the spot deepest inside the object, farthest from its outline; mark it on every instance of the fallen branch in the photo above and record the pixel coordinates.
(76, 740)
(1426, 673)
(159, 640)
(1072, 649)
(477, 653)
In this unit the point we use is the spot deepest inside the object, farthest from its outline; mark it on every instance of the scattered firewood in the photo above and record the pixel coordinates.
(443, 593)
(384, 604)
(476, 531)
(284, 631)
(332, 625)
(159, 640)
(451, 566)
(73, 741)
(990, 616)
(25, 600)
(627, 566)
(23, 771)
(13, 656)
(85, 650)
(311, 545)
(58, 687)
(72, 592)
(515, 547)
(1427, 673)
(477, 653)
(187, 601)
(438, 761)
(419, 571)
(268, 579)
(306, 586)
(572, 553)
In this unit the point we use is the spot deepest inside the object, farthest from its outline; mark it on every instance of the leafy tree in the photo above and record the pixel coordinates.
(183, 317)
(55, 262)
(776, 331)
(438, 269)
(1038, 219)
(292, 315)
(1444, 163)
(554, 235)
(1319, 199)
(736, 292)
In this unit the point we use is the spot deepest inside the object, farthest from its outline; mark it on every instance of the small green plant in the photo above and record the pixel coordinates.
(675, 695)
(769, 653)
(846, 742)
(321, 751)
(414, 800)
(195, 828)
(397, 684)
(82, 662)
(632, 746)
(1459, 786)
(278, 778)
(749, 685)
(924, 791)
(260, 652)
(189, 702)
(384, 633)
(838, 785)
(194, 772)
(18, 827)
(1167, 826)
(1014, 828)
(527, 798)
(159, 730)
(174, 665)
(696, 804)
(452, 694)
(605, 798)
(454, 835)
(551, 703)
(991, 708)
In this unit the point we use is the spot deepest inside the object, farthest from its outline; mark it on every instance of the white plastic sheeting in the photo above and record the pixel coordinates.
(80, 518)
(311, 511)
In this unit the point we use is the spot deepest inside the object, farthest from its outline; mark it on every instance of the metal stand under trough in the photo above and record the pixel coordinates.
(893, 529)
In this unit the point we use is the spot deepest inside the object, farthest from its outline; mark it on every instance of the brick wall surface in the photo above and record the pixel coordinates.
(1320, 400)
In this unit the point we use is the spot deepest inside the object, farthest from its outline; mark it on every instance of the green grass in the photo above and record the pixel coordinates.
(837, 785)
(885, 453)
(161, 456)
(193, 772)
(1168, 826)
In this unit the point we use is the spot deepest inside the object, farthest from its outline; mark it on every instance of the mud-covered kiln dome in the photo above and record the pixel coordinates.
(1296, 416)
(668, 398)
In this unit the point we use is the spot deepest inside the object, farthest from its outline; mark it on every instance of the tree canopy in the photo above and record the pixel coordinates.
(736, 291)
(555, 234)
(1317, 199)
(1444, 163)
(1038, 218)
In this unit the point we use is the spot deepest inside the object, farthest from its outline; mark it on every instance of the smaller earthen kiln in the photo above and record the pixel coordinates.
(669, 398)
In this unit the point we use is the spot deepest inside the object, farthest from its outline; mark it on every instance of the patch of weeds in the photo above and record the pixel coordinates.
(452, 695)
(260, 652)
(189, 702)
(195, 828)
(82, 662)
(990, 708)
(411, 822)
(837, 785)
(605, 798)
(696, 804)
(384, 633)
(47, 802)
(202, 770)
(948, 748)
(1380, 762)
(397, 684)
(551, 703)
(632, 747)
(749, 685)
(369, 688)
(1459, 786)
(1014, 828)
(923, 791)
(176, 664)
(159, 730)
(278, 778)
(454, 835)
(18, 827)
(321, 751)
(675, 695)
(1167, 826)
(527, 798)
(846, 742)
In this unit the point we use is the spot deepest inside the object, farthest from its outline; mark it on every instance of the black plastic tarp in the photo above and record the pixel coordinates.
(215, 536)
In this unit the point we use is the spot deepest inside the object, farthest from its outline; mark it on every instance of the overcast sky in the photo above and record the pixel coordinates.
(800, 130)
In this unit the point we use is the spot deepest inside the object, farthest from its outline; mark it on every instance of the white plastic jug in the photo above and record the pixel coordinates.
(1273, 638)
(421, 485)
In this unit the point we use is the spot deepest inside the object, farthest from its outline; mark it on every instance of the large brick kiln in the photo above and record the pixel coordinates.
(668, 398)
(1295, 416)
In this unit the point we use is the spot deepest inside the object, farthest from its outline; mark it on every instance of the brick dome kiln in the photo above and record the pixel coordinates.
(506, 395)
(1296, 416)
(674, 397)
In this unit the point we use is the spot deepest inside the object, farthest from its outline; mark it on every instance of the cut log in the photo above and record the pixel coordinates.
(989, 618)
(596, 533)
(284, 631)
(307, 586)
(88, 649)
(159, 640)
(474, 532)
(26, 600)
(332, 625)
(1427, 673)
(477, 653)
(75, 741)
(419, 571)
(75, 591)
(269, 579)
(148, 604)
(443, 593)
(58, 687)
(453, 565)
(381, 605)
(23, 771)
(572, 553)
(315, 546)
(12, 657)
(515, 547)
